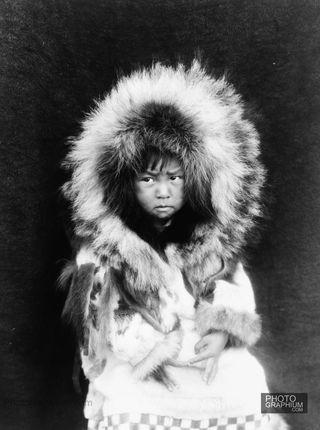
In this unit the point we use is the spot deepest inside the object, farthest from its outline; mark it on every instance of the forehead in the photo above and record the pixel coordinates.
(167, 164)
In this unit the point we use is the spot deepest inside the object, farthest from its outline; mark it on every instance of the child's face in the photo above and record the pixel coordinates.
(160, 190)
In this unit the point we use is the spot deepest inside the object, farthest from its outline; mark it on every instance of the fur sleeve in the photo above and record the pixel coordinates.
(232, 310)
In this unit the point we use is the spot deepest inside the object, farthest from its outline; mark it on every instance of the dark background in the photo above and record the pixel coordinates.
(56, 57)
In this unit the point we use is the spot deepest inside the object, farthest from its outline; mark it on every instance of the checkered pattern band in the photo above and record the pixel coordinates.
(131, 421)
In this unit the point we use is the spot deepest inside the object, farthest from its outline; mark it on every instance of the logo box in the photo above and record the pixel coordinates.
(284, 403)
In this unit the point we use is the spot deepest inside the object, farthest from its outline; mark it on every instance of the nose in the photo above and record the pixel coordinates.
(162, 191)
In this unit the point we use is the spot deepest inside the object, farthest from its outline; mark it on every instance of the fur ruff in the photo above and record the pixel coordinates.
(203, 122)
(244, 326)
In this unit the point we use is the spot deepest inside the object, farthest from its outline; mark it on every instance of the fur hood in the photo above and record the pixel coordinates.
(202, 121)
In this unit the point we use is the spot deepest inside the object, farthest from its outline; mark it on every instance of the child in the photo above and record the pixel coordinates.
(165, 189)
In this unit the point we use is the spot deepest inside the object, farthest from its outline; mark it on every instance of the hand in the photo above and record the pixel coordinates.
(209, 348)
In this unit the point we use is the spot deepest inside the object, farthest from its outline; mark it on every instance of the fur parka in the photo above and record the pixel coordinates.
(202, 122)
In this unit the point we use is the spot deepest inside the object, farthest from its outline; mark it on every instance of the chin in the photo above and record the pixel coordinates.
(164, 217)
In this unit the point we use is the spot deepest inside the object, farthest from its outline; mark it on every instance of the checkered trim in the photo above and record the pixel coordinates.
(131, 421)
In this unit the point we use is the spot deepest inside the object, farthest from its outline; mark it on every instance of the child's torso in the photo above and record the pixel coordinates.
(181, 303)
(133, 338)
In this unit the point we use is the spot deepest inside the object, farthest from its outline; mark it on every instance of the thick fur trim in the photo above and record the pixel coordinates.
(199, 119)
(244, 326)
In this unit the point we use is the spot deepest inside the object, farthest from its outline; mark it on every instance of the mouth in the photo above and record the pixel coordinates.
(163, 208)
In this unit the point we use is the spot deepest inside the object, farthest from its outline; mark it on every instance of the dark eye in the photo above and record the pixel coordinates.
(175, 178)
(147, 179)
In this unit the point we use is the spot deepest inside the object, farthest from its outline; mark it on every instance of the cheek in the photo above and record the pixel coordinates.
(143, 195)
(180, 193)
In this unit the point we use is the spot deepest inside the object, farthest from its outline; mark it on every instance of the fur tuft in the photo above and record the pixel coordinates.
(76, 307)
(159, 355)
(66, 275)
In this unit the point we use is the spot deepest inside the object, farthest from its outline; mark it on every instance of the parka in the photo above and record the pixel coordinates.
(125, 296)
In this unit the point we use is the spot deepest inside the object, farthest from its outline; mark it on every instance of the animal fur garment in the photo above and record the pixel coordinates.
(202, 122)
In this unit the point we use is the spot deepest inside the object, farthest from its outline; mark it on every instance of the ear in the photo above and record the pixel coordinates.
(76, 308)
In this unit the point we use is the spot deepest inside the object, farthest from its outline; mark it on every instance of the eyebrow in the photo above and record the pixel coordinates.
(171, 172)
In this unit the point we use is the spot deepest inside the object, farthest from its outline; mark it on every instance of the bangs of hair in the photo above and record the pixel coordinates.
(154, 157)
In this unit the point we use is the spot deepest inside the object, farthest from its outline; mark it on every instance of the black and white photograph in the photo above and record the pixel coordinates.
(160, 214)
